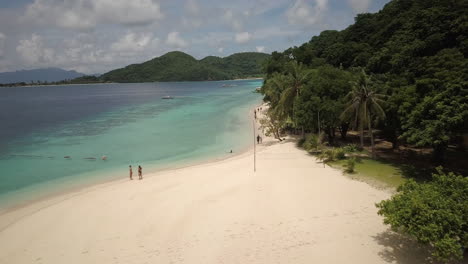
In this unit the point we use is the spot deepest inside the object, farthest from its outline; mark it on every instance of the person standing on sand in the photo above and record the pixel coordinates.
(255, 114)
(140, 173)
(258, 139)
(131, 172)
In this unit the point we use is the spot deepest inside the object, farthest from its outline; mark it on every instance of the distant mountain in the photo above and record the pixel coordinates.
(179, 66)
(43, 75)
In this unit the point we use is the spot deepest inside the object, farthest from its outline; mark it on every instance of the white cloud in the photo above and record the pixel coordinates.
(191, 22)
(233, 20)
(360, 6)
(213, 39)
(2, 44)
(91, 53)
(192, 7)
(275, 32)
(243, 37)
(132, 42)
(175, 40)
(260, 48)
(220, 50)
(34, 52)
(86, 14)
(301, 13)
(194, 17)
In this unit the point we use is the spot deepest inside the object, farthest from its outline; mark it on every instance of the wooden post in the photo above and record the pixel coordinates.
(255, 158)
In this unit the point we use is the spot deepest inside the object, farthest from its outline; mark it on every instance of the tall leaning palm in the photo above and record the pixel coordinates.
(363, 104)
(297, 76)
(274, 88)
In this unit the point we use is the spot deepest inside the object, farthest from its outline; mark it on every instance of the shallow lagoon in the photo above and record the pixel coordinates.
(128, 123)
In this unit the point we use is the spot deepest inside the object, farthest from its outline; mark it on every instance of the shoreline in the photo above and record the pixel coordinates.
(47, 200)
(51, 199)
(291, 210)
(101, 83)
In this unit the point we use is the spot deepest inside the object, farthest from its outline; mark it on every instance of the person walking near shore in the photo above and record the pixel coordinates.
(131, 172)
(258, 139)
(140, 173)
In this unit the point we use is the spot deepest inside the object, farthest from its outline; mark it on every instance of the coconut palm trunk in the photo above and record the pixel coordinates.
(361, 134)
(363, 100)
(371, 135)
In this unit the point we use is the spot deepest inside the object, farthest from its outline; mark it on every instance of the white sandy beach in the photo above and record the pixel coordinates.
(291, 210)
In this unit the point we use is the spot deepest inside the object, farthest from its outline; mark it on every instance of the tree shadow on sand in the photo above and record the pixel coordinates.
(401, 249)
(404, 250)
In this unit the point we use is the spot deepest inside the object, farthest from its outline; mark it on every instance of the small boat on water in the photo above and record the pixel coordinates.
(167, 97)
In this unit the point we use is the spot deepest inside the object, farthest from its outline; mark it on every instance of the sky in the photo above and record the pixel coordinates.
(95, 36)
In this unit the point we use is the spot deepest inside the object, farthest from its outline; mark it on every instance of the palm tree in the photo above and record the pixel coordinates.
(363, 104)
(297, 76)
(274, 88)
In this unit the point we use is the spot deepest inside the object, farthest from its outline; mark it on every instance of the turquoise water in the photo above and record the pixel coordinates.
(128, 123)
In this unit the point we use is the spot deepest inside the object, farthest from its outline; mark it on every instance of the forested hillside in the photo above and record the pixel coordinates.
(413, 51)
(178, 66)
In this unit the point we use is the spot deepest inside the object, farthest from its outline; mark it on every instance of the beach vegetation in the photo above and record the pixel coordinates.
(331, 154)
(378, 173)
(314, 143)
(340, 153)
(363, 106)
(411, 54)
(273, 124)
(326, 156)
(435, 213)
(351, 148)
(350, 165)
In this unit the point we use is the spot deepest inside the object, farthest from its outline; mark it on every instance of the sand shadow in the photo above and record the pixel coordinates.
(275, 142)
(404, 250)
(401, 249)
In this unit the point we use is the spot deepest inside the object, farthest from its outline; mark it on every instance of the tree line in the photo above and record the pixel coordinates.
(402, 71)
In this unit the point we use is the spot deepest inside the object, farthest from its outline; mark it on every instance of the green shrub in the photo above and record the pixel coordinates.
(351, 148)
(435, 213)
(313, 142)
(350, 164)
(300, 142)
(339, 153)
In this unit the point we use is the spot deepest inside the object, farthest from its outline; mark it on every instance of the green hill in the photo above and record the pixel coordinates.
(179, 66)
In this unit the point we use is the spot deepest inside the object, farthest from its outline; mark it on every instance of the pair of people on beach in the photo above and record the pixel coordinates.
(140, 172)
(259, 139)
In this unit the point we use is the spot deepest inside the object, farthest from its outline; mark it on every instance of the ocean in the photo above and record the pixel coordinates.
(52, 138)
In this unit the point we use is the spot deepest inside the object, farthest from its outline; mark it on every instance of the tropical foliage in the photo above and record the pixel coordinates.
(272, 124)
(413, 52)
(364, 104)
(435, 213)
